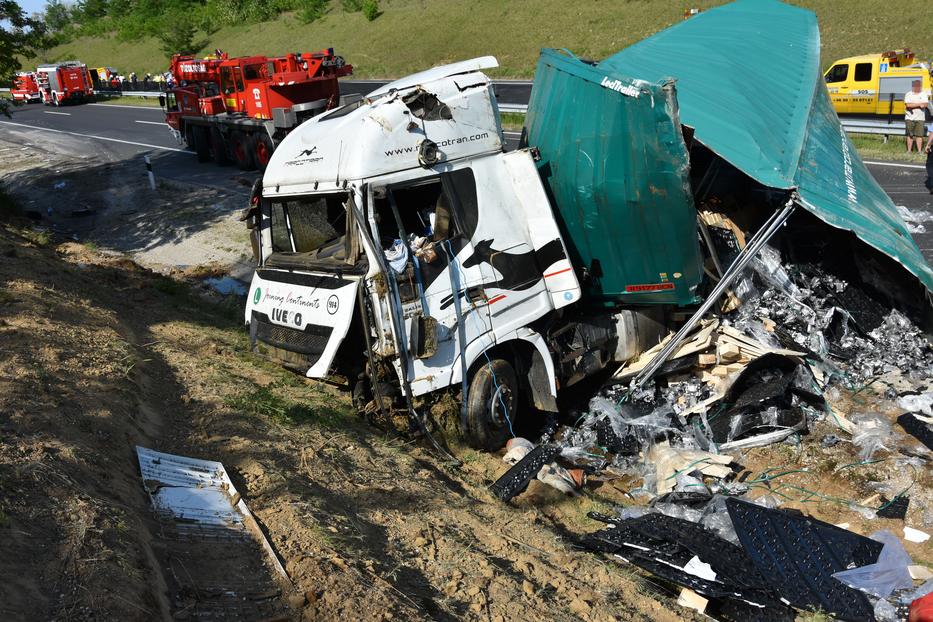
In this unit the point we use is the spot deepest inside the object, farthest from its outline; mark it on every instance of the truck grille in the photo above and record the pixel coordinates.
(311, 341)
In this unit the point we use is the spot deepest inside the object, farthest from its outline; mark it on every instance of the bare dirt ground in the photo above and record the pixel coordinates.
(99, 353)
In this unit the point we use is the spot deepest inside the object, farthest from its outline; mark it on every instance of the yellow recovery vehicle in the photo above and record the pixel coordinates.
(875, 83)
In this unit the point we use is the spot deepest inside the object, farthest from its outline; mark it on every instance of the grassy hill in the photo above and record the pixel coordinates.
(411, 35)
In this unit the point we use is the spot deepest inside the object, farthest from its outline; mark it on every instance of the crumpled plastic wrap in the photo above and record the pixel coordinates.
(922, 403)
(886, 575)
(872, 433)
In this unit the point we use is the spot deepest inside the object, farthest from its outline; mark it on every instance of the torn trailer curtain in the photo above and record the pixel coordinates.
(749, 84)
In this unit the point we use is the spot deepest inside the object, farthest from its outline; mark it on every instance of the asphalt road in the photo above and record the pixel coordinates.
(131, 132)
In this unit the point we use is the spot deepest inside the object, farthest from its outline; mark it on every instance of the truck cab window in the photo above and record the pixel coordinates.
(238, 78)
(312, 230)
(226, 80)
(255, 71)
(862, 72)
(429, 218)
(838, 73)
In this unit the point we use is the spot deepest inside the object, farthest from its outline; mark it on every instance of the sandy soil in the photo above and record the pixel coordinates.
(99, 354)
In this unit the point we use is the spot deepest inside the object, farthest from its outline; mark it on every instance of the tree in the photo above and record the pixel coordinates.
(57, 15)
(178, 36)
(91, 9)
(20, 36)
(371, 9)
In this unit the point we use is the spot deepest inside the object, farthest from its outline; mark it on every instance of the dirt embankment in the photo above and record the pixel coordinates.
(98, 355)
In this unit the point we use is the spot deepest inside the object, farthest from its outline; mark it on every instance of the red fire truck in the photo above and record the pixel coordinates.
(25, 88)
(62, 83)
(240, 108)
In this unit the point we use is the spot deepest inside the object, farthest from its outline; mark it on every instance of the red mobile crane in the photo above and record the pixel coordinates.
(240, 108)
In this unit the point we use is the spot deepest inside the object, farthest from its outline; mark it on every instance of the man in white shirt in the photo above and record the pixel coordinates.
(916, 103)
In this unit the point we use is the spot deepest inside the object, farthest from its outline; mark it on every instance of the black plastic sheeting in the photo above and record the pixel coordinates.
(663, 546)
(894, 509)
(918, 429)
(799, 556)
(766, 395)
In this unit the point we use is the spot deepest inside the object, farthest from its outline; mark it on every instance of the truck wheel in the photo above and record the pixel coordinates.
(218, 147)
(189, 136)
(202, 143)
(55, 101)
(491, 405)
(243, 150)
(262, 150)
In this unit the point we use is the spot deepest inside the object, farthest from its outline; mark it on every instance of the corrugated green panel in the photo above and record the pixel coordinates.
(749, 83)
(614, 161)
(836, 186)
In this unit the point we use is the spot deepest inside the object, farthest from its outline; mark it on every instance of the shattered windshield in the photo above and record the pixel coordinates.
(304, 224)
(313, 229)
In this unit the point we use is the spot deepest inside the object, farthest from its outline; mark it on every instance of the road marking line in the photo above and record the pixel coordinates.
(153, 122)
(920, 166)
(67, 114)
(140, 107)
(113, 140)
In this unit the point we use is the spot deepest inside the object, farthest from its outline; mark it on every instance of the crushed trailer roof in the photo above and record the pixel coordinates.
(749, 84)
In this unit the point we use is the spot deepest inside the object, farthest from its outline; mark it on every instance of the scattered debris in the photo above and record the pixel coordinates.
(915, 535)
(800, 555)
(201, 514)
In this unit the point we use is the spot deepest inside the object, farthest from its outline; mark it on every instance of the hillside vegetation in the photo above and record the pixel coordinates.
(410, 35)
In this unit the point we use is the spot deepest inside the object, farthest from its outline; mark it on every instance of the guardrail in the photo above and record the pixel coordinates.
(869, 126)
(851, 126)
(131, 93)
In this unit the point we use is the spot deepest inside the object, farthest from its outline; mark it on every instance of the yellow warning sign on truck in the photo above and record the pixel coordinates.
(875, 83)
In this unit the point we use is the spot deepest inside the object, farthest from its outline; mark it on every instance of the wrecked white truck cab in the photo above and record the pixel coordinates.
(397, 231)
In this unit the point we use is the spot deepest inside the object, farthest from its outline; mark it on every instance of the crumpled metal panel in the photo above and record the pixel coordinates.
(749, 83)
(614, 160)
(196, 495)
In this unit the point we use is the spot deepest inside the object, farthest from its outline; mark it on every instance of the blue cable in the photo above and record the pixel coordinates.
(495, 381)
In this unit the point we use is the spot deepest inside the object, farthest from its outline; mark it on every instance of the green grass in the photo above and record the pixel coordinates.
(875, 148)
(266, 402)
(129, 100)
(412, 35)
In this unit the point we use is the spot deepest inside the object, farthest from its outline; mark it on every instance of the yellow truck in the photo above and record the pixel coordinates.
(875, 83)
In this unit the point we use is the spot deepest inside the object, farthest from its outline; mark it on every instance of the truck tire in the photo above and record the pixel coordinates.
(262, 150)
(218, 147)
(202, 142)
(242, 144)
(492, 405)
(189, 137)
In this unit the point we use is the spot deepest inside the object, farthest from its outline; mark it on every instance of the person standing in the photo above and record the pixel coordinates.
(916, 103)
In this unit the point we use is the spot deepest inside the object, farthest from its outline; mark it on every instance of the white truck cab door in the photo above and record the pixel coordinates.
(425, 227)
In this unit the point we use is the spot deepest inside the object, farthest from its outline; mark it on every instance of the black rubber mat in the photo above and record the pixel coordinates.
(894, 509)
(918, 429)
(663, 545)
(516, 479)
(798, 555)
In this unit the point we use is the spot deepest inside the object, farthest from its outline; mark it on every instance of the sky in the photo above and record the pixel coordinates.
(31, 6)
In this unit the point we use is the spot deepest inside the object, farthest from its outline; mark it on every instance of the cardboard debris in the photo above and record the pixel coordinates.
(690, 599)
(721, 351)
(669, 462)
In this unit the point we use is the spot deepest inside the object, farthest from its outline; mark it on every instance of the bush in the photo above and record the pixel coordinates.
(311, 10)
(371, 9)
(352, 6)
